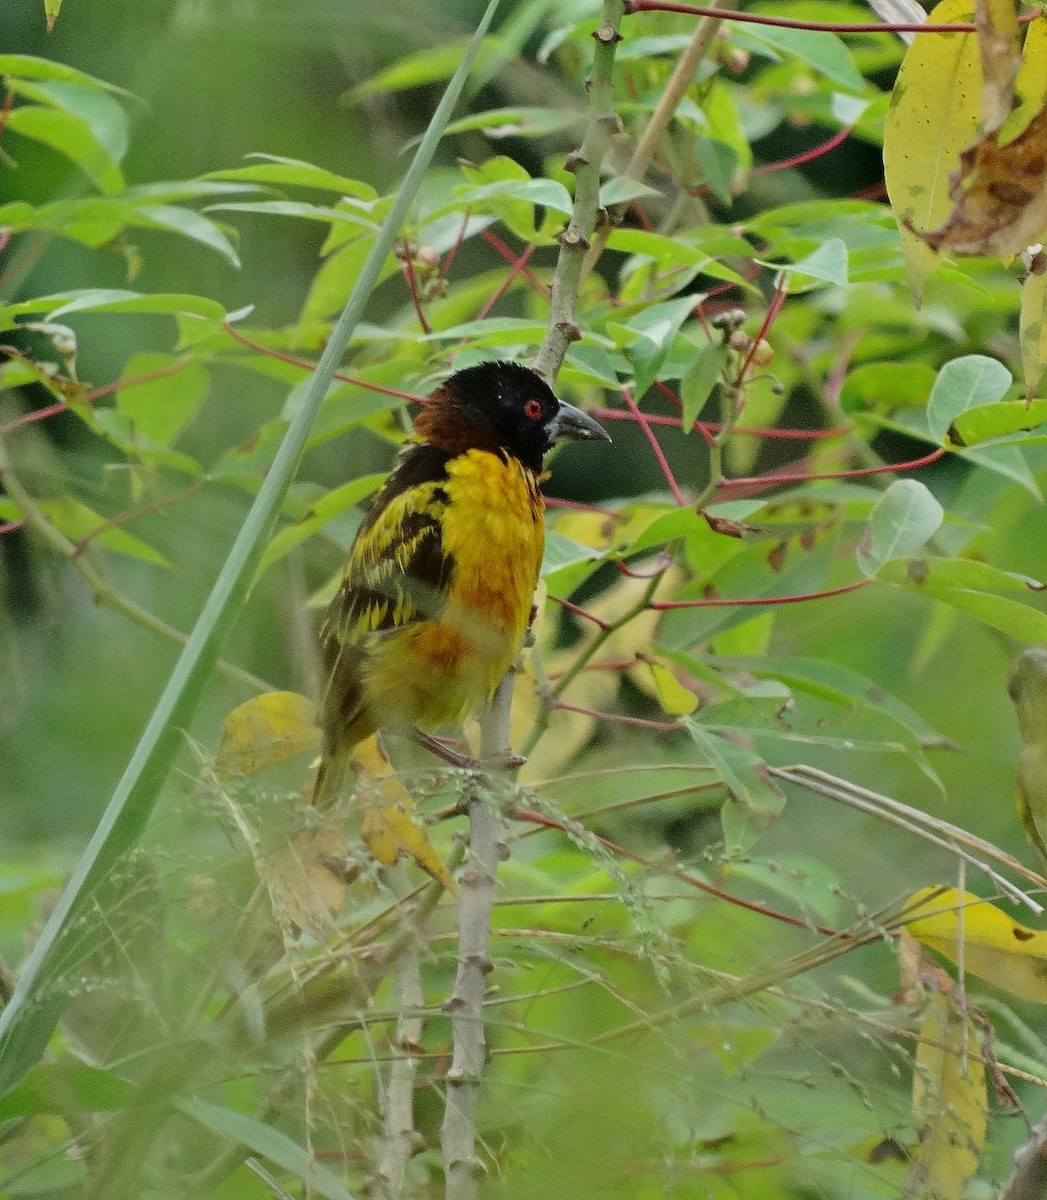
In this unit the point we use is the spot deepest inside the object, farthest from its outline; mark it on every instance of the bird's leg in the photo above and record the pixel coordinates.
(506, 761)
(445, 751)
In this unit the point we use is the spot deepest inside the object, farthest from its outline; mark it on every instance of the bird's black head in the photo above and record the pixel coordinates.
(503, 406)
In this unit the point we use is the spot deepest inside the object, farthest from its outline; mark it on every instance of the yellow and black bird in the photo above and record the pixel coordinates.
(437, 591)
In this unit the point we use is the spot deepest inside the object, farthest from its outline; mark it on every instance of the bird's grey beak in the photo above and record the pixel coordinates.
(571, 424)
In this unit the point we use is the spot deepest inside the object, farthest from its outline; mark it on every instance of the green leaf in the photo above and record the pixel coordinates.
(719, 162)
(757, 798)
(116, 300)
(298, 208)
(654, 328)
(161, 408)
(65, 1087)
(267, 1142)
(519, 121)
(430, 65)
(77, 522)
(27, 66)
(826, 52)
(30, 1015)
(905, 516)
(621, 190)
(275, 169)
(1027, 624)
(701, 377)
(332, 504)
(827, 264)
(920, 573)
(998, 420)
(104, 116)
(194, 226)
(962, 384)
(72, 136)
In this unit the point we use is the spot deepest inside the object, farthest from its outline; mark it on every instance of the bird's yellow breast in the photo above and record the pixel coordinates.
(433, 671)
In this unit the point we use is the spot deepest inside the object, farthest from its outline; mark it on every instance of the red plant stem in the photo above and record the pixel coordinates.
(518, 265)
(727, 602)
(855, 473)
(616, 414)
(452, 254)
(535, 818)
(808, 155)
(720, 14)
(496, 242)
(308, 366)
(161, 373)
(663, 564)
(649, 434)
(9, 525)
(658, 726)
(407, 270)
(578, 506)
(131, 514)
(584, 613)
(773, 309)
(38, 414)
(51, 410)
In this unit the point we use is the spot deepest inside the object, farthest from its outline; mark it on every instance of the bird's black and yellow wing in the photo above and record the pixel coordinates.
(397, 574)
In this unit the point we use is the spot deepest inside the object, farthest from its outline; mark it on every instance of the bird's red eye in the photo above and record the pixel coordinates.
(533, 409)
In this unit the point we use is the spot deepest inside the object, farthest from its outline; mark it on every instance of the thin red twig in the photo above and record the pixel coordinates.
(751, 602)
(649, 435)
(808, 155)
(663, 564)
(38, 414)
(452, 254)
(308, 366)
(616, 414)
(658, 726)
(141, 510)
(9, 525)
(496, 242)
(773, 309)
(584, 613)
(854, 473)
(535, 818)
(517, 267)
(407, 270)
(721, 14)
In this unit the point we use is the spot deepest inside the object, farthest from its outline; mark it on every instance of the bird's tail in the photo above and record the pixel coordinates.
(367, 759)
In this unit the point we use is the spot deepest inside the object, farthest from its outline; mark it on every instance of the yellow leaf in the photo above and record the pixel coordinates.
(1030, 86)
(675, 699)
(1033, 330)
(995, 948)
(265, 731)
(934, 114)
(390, 829)
(948, 1100)
(999, 195)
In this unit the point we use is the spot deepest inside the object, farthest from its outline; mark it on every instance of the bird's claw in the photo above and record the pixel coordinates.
(506, 760)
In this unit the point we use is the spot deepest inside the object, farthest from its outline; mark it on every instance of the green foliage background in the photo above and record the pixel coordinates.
(805, 1092)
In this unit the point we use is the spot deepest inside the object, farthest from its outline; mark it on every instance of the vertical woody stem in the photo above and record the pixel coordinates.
(463, 1168)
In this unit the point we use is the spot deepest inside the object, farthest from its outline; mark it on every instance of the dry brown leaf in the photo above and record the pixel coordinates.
(305, 880)
(997, 24)
(999, 196)
(949, 1101)
(265, 731)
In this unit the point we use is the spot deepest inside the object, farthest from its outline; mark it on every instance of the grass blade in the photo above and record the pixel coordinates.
(28, 1020)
